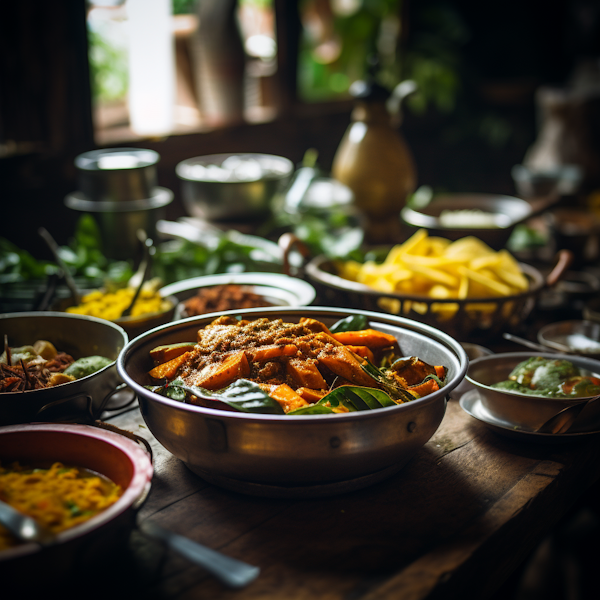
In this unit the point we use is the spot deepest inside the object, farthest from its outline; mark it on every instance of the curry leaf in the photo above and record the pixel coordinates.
(242, 395)
(351, 323)
(354, 398)
(389, 385)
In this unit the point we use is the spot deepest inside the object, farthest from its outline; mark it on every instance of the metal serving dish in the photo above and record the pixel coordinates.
(275, 288)
(284, 456)
(503, 213)
(77, 335)
(235, 196)
(526, 411)
(84, 548)
(576, 337)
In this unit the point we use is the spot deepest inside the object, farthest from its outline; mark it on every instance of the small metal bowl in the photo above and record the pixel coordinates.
(301, 456)
(208, 198)
(83, 548)
(276, 289)
(577, 337)
(77, 335)
(119, 221)
(503, 212)
(524, 411)
(117, 174)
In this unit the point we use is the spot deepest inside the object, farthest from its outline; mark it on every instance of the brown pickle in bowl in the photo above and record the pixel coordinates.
(222, 297)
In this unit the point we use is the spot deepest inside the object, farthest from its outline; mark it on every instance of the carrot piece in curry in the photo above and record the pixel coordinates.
(363, 351)
(423, 389)
(168, 369)
(218, 375)
(265, 353)
(305, 373)
(372, 338)
(288, 399)
(311, 395)
(345, 363)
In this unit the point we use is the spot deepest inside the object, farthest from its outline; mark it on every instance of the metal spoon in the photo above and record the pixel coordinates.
(563, 420)
(231, 572)
(143, 272)
(534, 346)
(45, 234)
(23, 527)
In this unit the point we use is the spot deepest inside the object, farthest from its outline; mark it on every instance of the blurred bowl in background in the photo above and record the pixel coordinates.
(231, 186)
(119, 221)
(578, 337)
(576, 229)
(117, 174)
(591, 310)
(490, 217)
(562, 180)
(133, 325)
(276, 289)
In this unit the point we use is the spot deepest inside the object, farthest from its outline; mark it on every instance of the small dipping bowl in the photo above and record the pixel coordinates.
(579, 337)
(524, 411)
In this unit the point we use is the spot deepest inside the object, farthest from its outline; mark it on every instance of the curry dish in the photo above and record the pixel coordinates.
(59, 497)
(296, 364)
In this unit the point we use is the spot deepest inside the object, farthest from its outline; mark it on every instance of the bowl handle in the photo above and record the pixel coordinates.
(563, 262)
(87, 397)
(287, 243)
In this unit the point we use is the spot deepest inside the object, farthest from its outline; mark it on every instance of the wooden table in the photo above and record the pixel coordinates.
(454, 523)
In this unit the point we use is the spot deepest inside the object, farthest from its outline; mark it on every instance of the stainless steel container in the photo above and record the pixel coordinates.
(523, 410)
(117, 174)
(283, 456)
(77, 335)
(215, 189)
(119, 221)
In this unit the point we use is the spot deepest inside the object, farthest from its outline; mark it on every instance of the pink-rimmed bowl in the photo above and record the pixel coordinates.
(92, 543)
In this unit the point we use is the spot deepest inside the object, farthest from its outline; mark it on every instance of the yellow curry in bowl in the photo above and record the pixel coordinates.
(59, 497)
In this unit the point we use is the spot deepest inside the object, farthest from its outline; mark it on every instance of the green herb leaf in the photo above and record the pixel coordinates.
(354, 398)
(389, 385)
(351, 323)
(242, 395)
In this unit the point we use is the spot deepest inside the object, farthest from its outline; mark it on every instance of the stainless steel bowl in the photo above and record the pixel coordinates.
(527, 411)
(275, 288)
(286, 456)
(503, 212)
(117, 174)
(249, 195)
(77, 335)
(577, 337)
(119, 221)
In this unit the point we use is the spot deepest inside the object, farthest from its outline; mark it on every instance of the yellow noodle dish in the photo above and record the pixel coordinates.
(59, 497)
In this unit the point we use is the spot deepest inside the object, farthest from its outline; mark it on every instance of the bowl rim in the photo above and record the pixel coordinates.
(417, 218)
(580, 361)
(303, 290)
(574, 326)
(401, 322)
(51, 314)
(222, 156)
(132, 497)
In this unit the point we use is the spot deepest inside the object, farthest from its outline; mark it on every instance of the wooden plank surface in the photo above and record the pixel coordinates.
(456, 520)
